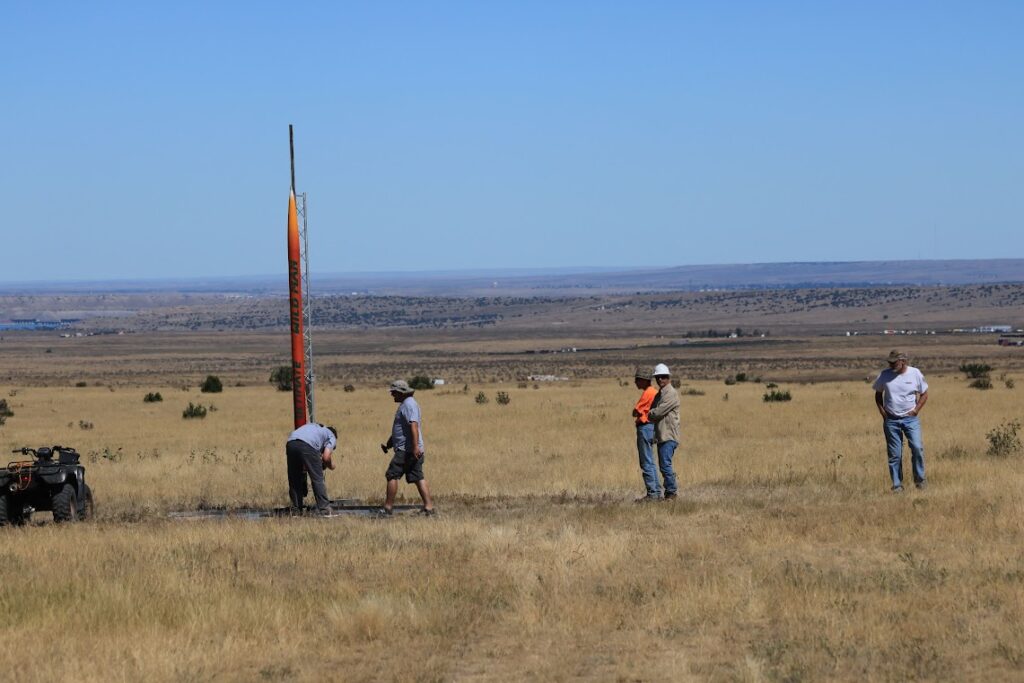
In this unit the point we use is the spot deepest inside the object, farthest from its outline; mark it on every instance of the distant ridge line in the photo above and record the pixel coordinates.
(540, 281)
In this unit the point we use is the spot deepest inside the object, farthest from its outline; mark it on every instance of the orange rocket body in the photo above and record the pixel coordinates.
(295, 316)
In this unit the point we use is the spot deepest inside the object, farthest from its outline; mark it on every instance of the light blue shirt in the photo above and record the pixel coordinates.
(401, 431)
(316, 435)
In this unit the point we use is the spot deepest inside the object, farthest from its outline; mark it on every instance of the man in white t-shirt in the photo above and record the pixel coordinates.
(900, 394)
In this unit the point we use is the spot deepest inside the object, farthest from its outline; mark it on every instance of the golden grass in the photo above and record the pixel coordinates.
(785, 558)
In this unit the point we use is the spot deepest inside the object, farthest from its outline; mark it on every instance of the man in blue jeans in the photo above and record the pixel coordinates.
(664, 414)
(645, 434)
(900, 394)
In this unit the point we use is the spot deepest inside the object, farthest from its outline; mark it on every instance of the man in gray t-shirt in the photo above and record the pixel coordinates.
(407, 440)
(309, 450)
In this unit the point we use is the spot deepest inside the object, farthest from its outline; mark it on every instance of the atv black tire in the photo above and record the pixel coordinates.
(10, 514)
(88, 509)
(65, 504)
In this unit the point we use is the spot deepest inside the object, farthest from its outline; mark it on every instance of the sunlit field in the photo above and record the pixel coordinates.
(785, 557)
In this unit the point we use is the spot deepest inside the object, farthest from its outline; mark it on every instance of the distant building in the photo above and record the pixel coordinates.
(996, 328)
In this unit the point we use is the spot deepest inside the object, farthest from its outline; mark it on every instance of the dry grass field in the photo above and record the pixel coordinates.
(786, 558)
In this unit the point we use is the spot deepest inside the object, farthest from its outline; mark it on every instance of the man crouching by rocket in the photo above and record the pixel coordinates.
(309, 451)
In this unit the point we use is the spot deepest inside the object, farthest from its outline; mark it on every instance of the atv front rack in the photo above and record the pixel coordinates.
(21, 472)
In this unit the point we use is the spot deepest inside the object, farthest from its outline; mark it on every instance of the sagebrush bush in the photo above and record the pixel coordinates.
(481, 398)
(421, 382)
(5, 410)
(975, 370)
(212, 385)
(281, 377)
(774, 395)
(981, 383)
(194, 411)
(502, 398)
(152, 397)
(1003, 441)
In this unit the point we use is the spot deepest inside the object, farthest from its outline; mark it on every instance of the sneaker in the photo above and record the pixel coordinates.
(649, 498)
(384, 512)
(671, 496)
(428, 513)
(921, 485)
(897, 489)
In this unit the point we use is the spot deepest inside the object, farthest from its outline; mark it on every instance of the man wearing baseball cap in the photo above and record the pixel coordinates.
(900, 394)
(407, 440)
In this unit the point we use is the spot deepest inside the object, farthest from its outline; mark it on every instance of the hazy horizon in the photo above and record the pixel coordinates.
(770, 274)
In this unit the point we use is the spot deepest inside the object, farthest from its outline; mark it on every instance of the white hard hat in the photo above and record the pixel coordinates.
(661, 369)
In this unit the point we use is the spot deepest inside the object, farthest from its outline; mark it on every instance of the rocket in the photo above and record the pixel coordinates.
(295, 303)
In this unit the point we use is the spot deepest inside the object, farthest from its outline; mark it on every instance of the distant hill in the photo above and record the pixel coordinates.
(825, 274)
(575, 281)
(686, 278)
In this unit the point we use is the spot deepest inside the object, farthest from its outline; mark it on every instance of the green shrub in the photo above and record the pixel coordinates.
(741, 377)
(194, 411)
(82, 424)
(281, 377)
(421, 382)
(5, 410)
(502, 399)
(349, 388)
(981, 383)
(481, 398)
(1003, 440)
(81, 384)
(211, 385)
(730, 381)
(975, 370)
(152, 397)
(773, 395)
(1009, 383)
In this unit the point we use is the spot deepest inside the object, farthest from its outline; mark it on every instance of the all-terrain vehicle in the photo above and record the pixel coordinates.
(53, 480)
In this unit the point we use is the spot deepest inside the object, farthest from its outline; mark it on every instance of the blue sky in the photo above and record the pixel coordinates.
(151, 139)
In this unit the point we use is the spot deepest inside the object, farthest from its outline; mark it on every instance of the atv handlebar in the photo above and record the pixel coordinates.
(25, 450)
